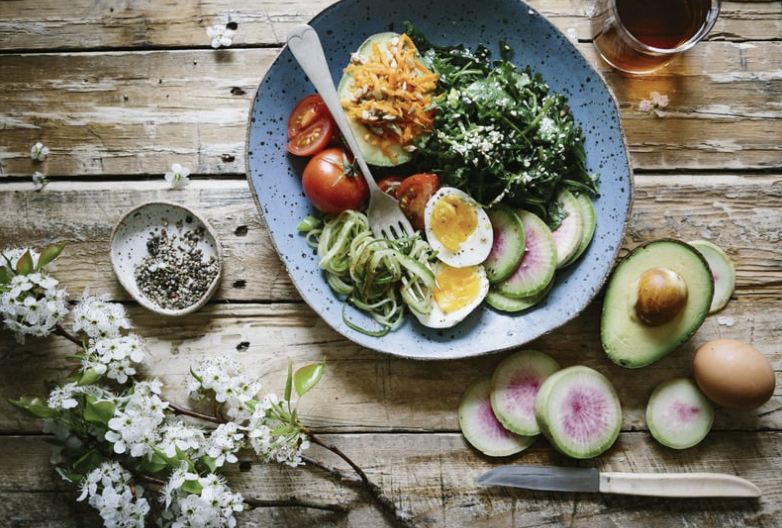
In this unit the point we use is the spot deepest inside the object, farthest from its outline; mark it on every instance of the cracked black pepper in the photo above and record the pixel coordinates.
(174, 274)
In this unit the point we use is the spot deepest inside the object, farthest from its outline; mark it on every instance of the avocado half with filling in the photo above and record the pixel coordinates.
(656, 299)
(373, 154)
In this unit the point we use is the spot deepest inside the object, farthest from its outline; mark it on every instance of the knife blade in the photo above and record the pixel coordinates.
(591, 480)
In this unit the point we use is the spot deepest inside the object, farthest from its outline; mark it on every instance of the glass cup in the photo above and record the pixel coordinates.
(641, 36)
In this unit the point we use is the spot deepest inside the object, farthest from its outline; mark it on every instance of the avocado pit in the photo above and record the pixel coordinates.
(661, 296)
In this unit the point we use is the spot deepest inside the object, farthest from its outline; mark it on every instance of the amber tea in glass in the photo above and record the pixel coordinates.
(640, 36)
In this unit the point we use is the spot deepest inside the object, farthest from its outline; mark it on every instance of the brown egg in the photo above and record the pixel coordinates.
(733, 374)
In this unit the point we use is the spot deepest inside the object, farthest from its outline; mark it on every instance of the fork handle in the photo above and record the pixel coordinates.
(305, 45)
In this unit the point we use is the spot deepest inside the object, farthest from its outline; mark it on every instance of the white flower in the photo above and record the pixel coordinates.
(231, 386)
(39, 180)
(220, 35)
(223, 444)
(282, 448)
(213, 508)
(33, 305)
(134, 429)
(179, 176)
(98, 318)
(656, 104)
(39, 152)
(181, 436)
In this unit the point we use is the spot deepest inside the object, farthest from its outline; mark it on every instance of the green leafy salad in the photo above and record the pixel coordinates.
(500, 133)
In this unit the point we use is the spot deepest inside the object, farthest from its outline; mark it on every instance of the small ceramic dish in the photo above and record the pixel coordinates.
(166, 257)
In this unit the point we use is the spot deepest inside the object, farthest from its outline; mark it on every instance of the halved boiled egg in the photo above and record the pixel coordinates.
(457, 228)
(457, 292)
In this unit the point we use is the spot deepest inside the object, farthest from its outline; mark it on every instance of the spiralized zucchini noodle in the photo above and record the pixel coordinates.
(379, 276)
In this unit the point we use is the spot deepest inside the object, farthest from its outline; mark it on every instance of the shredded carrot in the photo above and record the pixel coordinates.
(392, 93)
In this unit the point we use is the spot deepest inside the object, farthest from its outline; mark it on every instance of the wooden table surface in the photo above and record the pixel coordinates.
(121, 90)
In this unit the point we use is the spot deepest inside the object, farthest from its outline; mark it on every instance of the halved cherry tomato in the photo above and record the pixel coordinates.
(390, 184)
(305, 113)
(332, 184)
(312, 139)
(413, 193)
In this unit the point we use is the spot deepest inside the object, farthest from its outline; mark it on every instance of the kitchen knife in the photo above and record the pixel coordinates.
(592, 480)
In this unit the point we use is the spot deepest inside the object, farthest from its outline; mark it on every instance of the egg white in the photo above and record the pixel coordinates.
(472, 251)
(438, 318)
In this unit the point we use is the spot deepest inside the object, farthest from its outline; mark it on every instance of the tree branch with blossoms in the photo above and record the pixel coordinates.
(117, 438)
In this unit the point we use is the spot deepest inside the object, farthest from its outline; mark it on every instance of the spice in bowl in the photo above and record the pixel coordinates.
(174, 274)
(166, 257)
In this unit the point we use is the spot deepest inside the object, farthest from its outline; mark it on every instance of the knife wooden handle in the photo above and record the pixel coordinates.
(677, 485)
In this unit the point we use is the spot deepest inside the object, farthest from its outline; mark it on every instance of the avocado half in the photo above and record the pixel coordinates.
(372, 154)
(626, 338)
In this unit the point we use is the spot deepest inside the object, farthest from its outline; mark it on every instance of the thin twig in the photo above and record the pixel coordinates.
(403, 517)
(293, 502)
(61, 331)
(193, 414)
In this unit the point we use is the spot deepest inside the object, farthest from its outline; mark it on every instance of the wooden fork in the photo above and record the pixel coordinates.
(385, 217)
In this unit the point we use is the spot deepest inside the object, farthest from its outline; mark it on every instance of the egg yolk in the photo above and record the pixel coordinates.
(453, 221)
(456, 288)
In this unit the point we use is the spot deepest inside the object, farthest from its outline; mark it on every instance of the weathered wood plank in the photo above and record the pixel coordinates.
(739, 213)
(435, 481)
(368, 391)
(90, 109)
(29, 25)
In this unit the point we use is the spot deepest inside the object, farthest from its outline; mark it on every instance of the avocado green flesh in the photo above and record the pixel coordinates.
(629, 342)
(372, 154)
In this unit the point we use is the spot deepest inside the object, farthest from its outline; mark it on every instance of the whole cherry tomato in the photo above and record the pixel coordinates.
(333, 184)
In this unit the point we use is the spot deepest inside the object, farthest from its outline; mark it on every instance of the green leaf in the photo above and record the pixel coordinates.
(89, 461)
(208, 462)
(192, 486)
(49, 254)
(25, 266)
(35, 406)
(156, 462)
(198, 378)
(288, 383)
(99, 412)
(307, 377)
(5, 278)
(88, 377)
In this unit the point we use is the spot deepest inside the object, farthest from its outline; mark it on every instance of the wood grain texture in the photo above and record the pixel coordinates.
(120, 90)
(435, 482)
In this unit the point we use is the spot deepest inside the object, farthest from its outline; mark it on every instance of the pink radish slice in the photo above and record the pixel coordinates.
(578, 410)
(515, 384)
(678, 414)
(480, 426)
(567, 236)
(538, 264)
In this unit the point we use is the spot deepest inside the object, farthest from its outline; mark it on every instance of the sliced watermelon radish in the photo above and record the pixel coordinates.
(567, 237)
(514, 386)
(722, 270)
(503, 303)
(678, 414)
(589, 216)
(578, 410)
(508, 244)
(538, 264)
(480, 426)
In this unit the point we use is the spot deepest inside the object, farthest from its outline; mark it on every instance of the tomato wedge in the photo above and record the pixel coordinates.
(390, 184)
(413, 193)
(305, 113)
(312, 139)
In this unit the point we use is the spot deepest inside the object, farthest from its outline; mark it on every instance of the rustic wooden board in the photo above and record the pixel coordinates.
(720, 118)
(435, 481)
(83, 24)
(739, 213)
(368, 391)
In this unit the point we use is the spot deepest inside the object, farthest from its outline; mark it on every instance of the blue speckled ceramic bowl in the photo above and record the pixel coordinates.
(274, 176)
